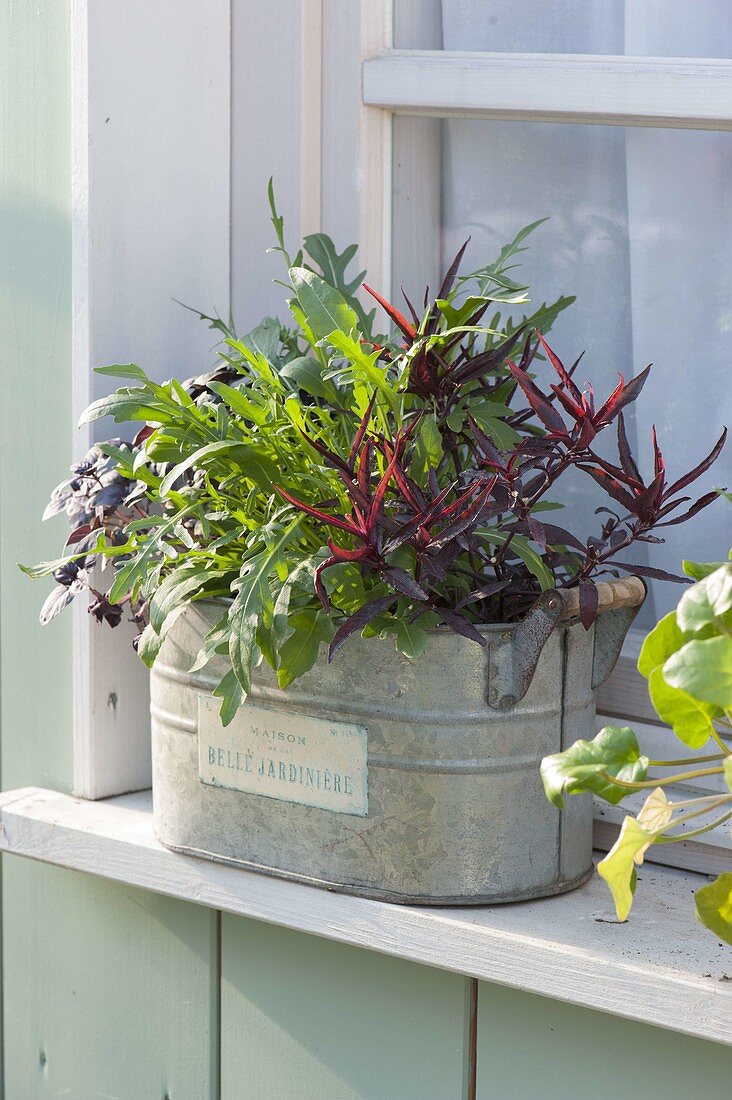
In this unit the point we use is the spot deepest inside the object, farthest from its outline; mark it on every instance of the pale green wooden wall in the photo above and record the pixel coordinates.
(111, 992)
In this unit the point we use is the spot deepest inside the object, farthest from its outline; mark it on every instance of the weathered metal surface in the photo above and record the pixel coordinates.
(456, 810)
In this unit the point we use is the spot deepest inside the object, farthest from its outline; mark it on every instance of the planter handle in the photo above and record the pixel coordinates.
(612, 626)
(515, 654)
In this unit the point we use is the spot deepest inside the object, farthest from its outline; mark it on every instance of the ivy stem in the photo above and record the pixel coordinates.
(713, 805)
(695, 832)
(686, 760)
(726, 749)
(644, 785)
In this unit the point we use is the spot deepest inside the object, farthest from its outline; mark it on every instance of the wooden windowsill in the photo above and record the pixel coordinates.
(661, 967)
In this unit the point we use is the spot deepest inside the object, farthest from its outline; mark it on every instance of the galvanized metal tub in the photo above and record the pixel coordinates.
(409, 781)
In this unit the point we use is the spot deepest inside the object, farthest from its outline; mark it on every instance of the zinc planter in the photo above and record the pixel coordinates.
(409, 781)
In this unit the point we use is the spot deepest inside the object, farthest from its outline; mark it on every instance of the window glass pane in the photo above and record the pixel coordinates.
(645, 28)
(640, 223)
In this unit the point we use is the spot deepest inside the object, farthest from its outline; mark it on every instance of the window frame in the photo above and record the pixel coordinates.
(356, 80)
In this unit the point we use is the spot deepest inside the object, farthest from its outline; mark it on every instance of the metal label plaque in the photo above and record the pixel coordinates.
(285, 755)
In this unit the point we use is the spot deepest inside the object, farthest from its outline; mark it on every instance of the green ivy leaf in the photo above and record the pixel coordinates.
(614, 751)
(719, 590)
(698, 570)
(714, 906)
(691, 719)
(618, 866)
(704, 670)
(695, 611)
(663, 640)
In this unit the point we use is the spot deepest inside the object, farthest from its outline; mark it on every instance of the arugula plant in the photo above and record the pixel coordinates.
(327, 478)
(687, 660)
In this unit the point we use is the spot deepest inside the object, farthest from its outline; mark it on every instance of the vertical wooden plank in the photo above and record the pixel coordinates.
(35, 368)
(304, 1018)
(311, 115)
(341, 110)
(267, 124)
(417, 167)
(116, 987)
(110, 991)
(530, 1046)
(375, 155)
(150, 127)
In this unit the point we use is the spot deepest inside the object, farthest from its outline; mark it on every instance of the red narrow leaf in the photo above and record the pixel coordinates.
(577, 411)
(630, 392)
(610, 485)
(342, 554)
(611, 406)
(658, 463)
(364, 468)
(587, 433)
(330, 456)
(486, 445)
(380, 493)
(319, 586)
(702, 467)
(449, 279)
(626, 457)
(559, 367)
(487, 361)
(588, 601)
(457, 504)
(410, 307)
(358, 439)
(398, 318)
(332, 521)
(615, 471)
(539, 403)
(463, 520)
(647, 502)
(358, 621)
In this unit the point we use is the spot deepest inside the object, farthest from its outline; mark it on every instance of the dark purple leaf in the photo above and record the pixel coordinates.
(358, 440)
(649, 571)
(588, 601)
(611, 486)
(702, 467)
(702, 502)
(558, 365)
(358, 621)
(539, 403)
(626, 458)
(460, 625)
(405, 583)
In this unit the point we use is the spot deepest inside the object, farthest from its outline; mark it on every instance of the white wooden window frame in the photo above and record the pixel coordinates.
(160, 173)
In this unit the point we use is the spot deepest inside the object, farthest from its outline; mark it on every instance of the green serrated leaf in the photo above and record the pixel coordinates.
(324, 307)
(311, 628)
